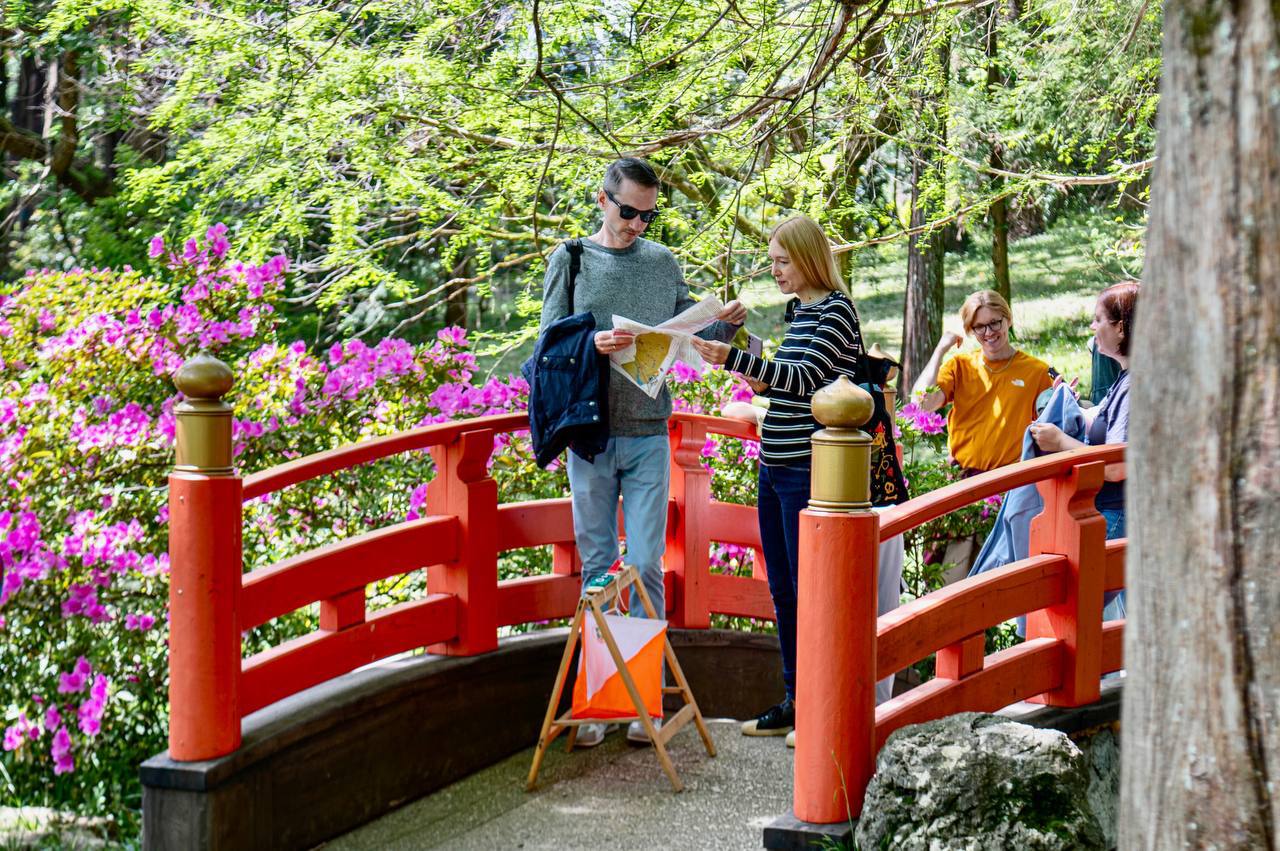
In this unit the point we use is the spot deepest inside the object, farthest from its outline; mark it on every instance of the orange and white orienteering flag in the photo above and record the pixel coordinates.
(599, 691)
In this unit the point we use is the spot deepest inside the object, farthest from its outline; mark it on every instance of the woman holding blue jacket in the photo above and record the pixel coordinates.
(1108, 421)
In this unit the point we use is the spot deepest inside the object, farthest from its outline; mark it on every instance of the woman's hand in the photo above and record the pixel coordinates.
(712, 352)
(743, 411)
(757, 386)
(1058, 381)
(1048, 437)
(949, 339)
(608, 342)
(735, 313)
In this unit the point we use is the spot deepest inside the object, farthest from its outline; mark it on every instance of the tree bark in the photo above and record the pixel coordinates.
(21, 133)
(1201, 758)
(922, 313)
(455, 305)
(923, 305)
(999, 207)
(27, 109)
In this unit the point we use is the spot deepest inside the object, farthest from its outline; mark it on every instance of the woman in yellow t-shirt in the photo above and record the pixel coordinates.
(992, 391)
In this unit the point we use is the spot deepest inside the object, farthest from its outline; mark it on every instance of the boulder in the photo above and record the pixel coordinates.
(1102, 754)
(979, 783)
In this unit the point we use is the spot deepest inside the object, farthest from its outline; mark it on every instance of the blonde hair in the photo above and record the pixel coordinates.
(989, 299)
(810, 252)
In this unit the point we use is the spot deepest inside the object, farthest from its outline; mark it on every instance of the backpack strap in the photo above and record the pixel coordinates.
(574, 247)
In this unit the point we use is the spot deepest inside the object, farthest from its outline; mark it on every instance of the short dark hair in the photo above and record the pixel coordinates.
(631, 168)
(1119, 302)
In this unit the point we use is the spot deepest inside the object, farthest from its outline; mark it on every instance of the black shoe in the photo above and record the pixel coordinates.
(774, 721)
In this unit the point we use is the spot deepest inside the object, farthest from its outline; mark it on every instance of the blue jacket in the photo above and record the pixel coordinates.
(568, 391)
(1010, 539)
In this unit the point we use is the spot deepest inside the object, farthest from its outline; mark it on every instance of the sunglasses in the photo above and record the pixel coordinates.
(628, 212)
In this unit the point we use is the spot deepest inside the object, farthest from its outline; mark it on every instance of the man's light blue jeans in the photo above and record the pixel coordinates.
(639, 470)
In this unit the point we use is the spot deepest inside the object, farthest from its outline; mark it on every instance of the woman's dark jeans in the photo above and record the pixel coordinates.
(783, 493)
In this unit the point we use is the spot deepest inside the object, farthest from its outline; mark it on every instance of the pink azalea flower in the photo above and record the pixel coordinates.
(76, 679)
(60, 750)
(216, 237)
(453, 334)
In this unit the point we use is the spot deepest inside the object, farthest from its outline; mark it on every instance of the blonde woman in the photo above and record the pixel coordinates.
(822, 342)
(992, 391)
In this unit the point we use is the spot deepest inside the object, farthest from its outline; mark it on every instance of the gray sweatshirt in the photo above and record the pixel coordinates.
(643, 283)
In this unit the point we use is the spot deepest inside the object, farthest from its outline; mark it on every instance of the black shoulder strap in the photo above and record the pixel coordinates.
(574, 246)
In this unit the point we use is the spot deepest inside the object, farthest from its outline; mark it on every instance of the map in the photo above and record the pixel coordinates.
(646, 360)
(651, 353)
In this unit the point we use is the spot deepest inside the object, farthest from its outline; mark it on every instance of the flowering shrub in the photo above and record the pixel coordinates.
(86, 434)
(923, 435)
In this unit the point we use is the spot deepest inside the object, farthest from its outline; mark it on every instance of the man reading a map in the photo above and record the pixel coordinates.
(625, 274)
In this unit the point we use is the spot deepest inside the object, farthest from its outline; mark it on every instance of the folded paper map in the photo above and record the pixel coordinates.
(651, 354)
(646, 361)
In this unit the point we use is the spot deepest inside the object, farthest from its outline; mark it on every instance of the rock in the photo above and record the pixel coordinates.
(1102, 755)
(979, 783)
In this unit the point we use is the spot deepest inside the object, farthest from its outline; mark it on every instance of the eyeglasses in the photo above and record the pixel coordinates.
(989, 328)
(628, 212)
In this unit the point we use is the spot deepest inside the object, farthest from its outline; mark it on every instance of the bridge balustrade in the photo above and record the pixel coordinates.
(212, 601)
(843, 647)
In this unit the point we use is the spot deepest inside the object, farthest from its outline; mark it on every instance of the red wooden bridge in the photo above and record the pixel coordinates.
(843, 647)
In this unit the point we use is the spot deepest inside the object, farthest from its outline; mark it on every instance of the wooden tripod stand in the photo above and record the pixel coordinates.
(595, 601)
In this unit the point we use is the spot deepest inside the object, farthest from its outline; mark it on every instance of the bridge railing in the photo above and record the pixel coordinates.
(459, 541)
(843, 648)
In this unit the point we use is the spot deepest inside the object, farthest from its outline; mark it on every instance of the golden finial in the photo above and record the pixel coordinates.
(841, 477)
(203, 440)
(843, 404)
(204, 377)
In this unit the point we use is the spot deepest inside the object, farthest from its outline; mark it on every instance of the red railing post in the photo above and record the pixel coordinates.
(962, 659)
(205, 563)
(463, 488)
(836, 617)
(835, 664)
(1070, 526)
(688, 546)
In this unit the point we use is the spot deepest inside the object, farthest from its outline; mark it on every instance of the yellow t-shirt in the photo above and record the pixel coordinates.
(990, 409)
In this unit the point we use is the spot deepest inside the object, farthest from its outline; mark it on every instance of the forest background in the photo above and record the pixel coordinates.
(412, 165)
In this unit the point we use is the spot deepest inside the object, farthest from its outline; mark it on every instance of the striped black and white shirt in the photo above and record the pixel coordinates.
(823, 342)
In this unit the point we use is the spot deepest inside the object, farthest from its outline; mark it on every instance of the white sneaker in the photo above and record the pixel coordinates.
(636, 732)
(590, 735)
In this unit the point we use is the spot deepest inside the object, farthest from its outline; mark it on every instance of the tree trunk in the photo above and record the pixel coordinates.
(27, 109)
(6, 175)
(922, 310)
(1202, 643)
(999, 207)
(922, 313)
(455, 306)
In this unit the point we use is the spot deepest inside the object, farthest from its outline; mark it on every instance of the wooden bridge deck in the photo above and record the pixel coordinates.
(614, 796)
